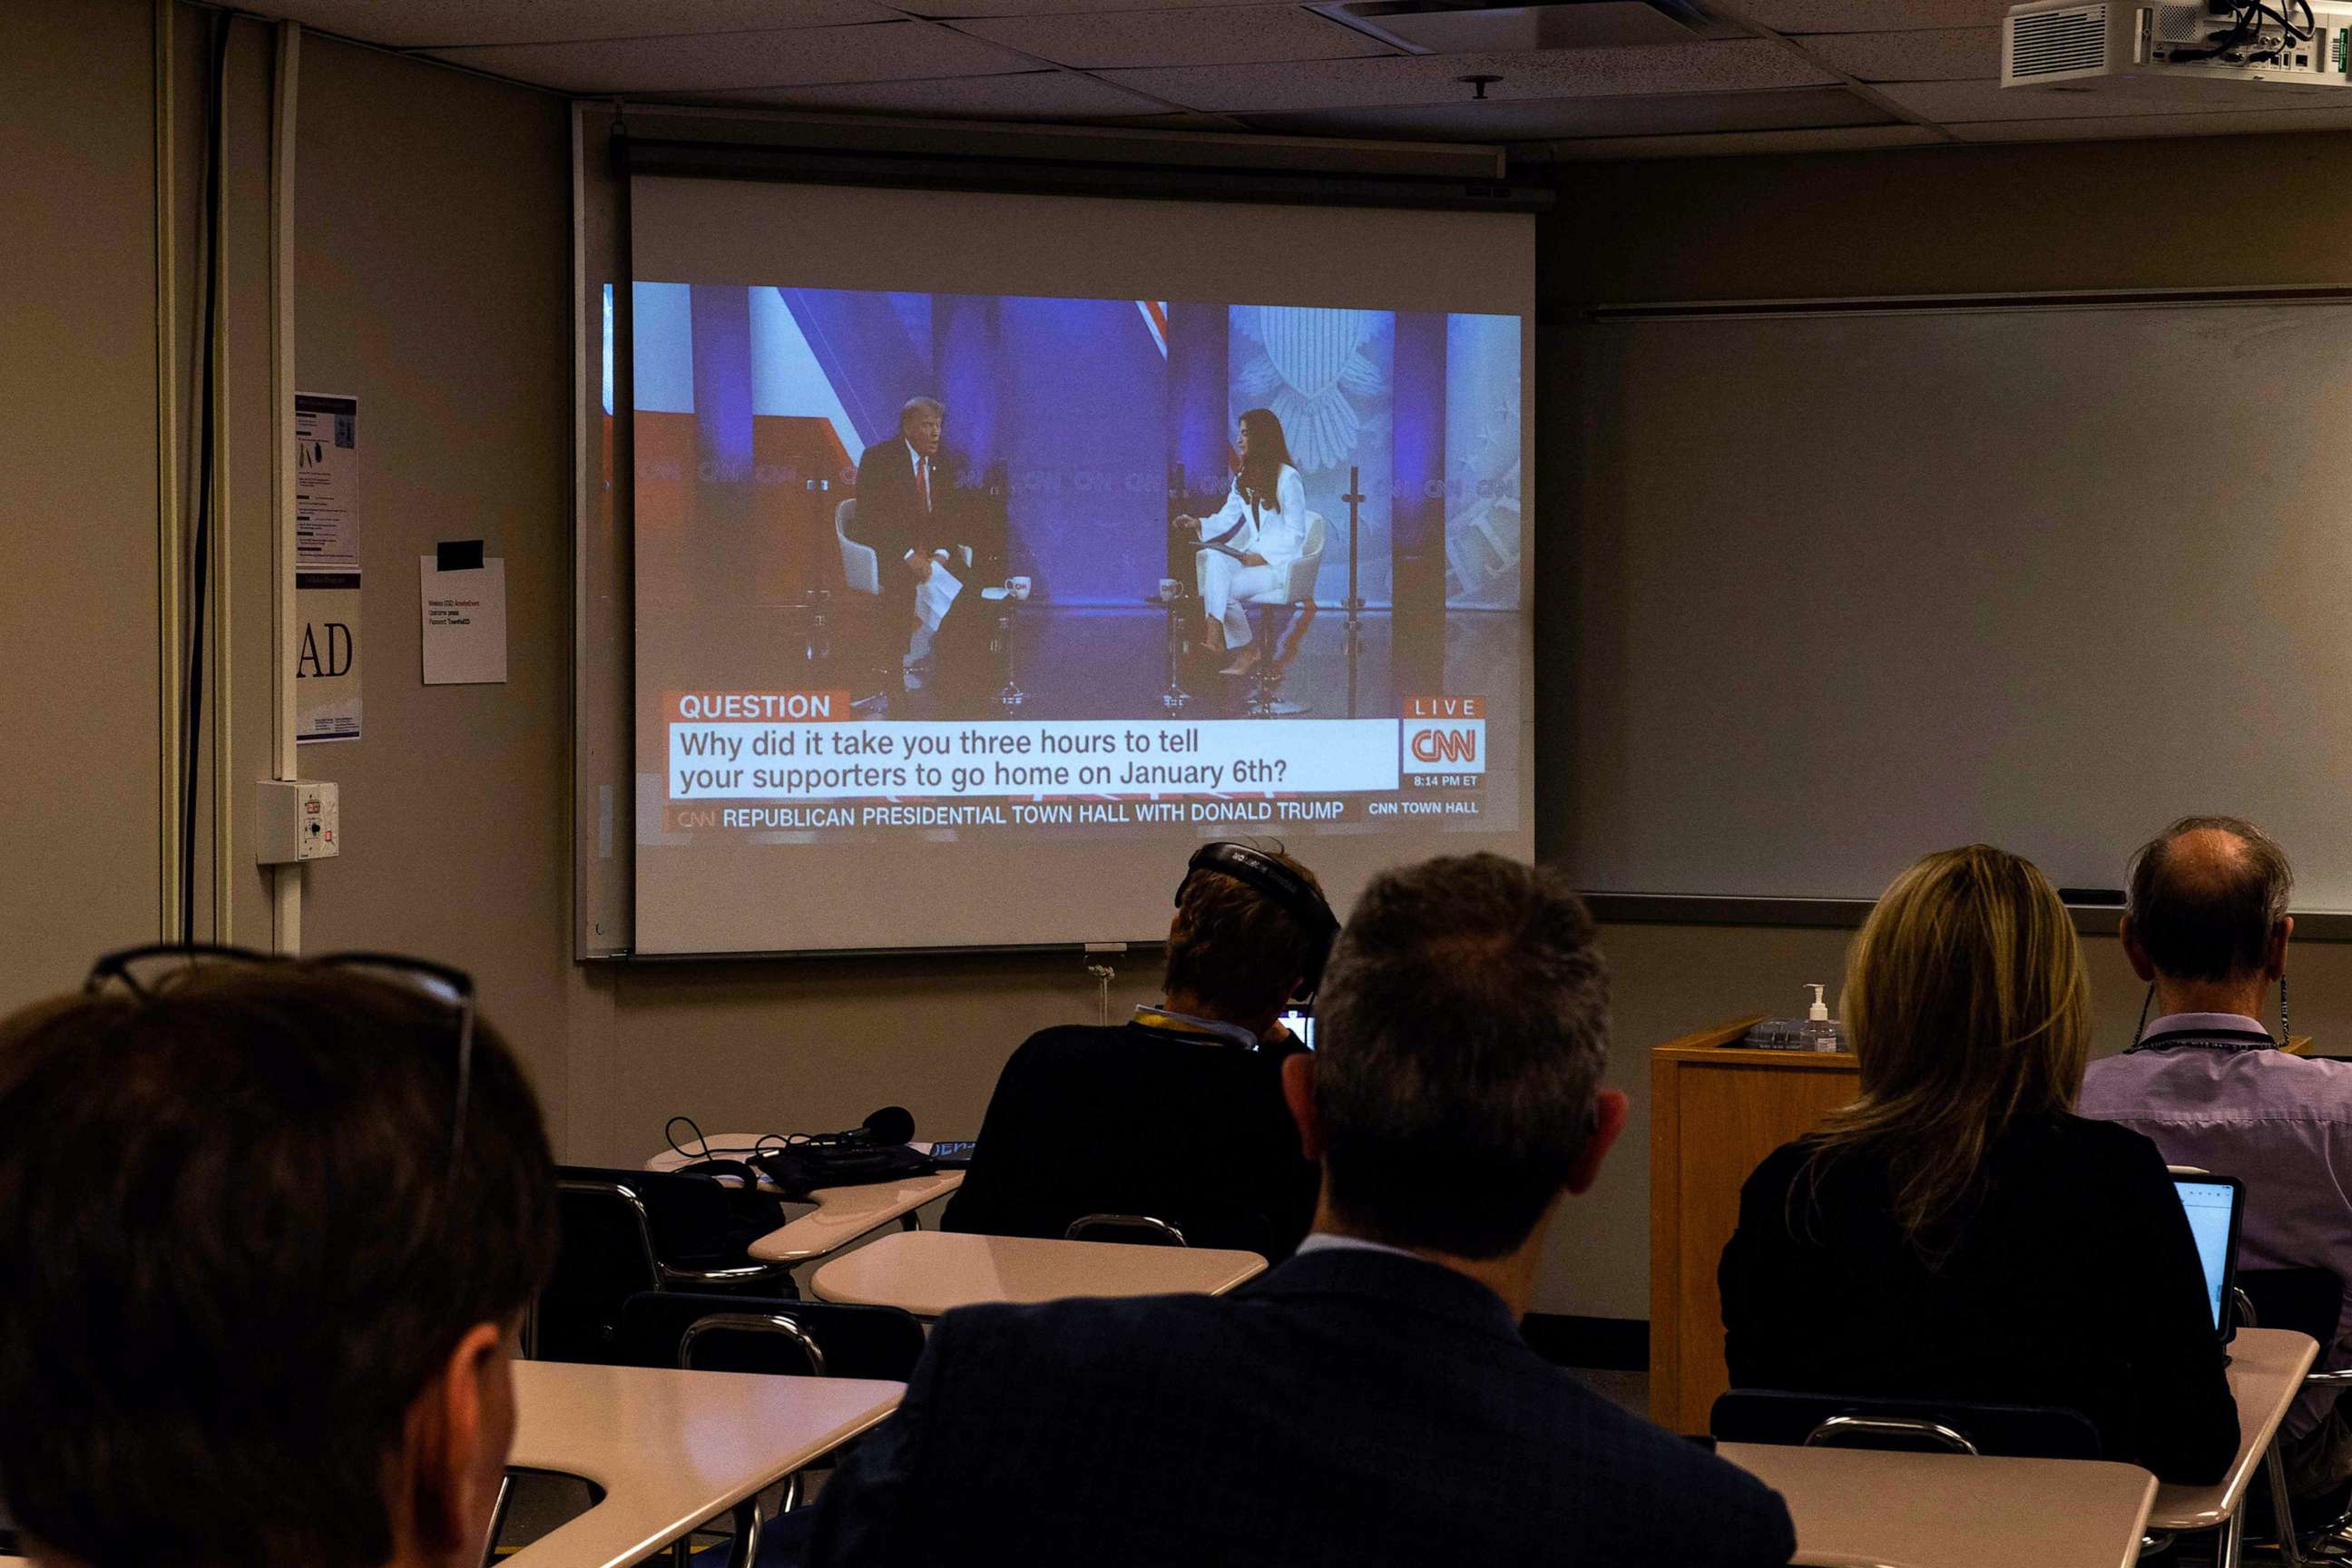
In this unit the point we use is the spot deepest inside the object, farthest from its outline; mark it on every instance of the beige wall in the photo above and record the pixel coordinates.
(80, 792)
(432, 273)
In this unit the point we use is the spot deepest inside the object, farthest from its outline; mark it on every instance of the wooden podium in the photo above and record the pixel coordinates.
(1716, 1110)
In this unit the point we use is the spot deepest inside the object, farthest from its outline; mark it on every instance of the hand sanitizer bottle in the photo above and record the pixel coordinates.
(1821, 1034)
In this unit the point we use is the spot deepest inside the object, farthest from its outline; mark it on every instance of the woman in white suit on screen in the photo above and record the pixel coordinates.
(1247, 547)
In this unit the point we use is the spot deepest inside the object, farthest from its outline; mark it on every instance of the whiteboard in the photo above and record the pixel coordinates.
(1850, 589)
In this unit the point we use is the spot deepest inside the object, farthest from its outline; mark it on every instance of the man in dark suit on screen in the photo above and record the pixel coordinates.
(906, 515)
(1369, 1401)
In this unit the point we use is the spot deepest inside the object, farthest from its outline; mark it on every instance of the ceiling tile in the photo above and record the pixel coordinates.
(1038, 95)
(433, 24)
(1550, 119)
(2091, 129)
(1205, 36)
(1927, 54)
(961, 10)
(1743, 143)
(718, 62)
(1727, 66)
(1959, 102)
(1869, 15)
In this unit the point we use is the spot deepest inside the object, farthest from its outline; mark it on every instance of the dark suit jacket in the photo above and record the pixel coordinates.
(1348, 1408)
(889, 517)
(1189, 1128)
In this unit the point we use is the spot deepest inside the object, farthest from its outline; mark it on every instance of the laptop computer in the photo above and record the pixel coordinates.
(2213, 1204)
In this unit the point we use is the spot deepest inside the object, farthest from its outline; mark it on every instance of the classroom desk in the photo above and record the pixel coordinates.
(843, 1213)
(2266, 1368)
(929, 1272)
(1858, 1508)
(672, 1448)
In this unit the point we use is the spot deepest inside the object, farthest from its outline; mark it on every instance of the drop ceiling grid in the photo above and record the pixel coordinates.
(1274, 65)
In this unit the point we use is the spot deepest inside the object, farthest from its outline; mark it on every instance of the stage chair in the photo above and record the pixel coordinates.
(1265, 700)
(860, 568)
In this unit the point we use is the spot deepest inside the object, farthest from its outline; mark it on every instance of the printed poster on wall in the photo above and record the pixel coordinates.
(327, 567)
(327, 659)
(326, 483)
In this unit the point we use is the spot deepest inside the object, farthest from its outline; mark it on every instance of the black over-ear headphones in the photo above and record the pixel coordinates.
(1295, 893)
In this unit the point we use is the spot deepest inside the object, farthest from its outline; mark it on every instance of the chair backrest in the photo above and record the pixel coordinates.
(860, 569)
(2019, 1431)
(2305, 1299)
(1309, 564)
(1136, 1229)
(854, 1342)
(606, 1255)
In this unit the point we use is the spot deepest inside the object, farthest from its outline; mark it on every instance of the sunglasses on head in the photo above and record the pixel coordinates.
(150, 971)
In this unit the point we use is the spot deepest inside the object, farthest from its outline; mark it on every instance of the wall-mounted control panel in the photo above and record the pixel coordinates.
(294, 820)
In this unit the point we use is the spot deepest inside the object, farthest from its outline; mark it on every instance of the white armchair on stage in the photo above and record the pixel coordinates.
(859, 567)
(1298, 588)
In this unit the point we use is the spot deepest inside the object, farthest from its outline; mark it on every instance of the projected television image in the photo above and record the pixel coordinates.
(1020, 566)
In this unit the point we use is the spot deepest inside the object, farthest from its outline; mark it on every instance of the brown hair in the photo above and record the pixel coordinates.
(1464, 1028)
(233, 1253)
(1968, 1008)
(1234, 948)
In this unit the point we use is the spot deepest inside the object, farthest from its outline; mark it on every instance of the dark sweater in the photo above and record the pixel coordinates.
(1189, 1128)
(2075, 1283)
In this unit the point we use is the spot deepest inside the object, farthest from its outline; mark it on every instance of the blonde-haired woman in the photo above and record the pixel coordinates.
(1956, 1231)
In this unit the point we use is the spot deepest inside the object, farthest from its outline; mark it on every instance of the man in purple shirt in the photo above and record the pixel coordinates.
(2207, 928)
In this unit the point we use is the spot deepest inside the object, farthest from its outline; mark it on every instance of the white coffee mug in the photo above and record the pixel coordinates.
(1170, 590)
(1017, 586)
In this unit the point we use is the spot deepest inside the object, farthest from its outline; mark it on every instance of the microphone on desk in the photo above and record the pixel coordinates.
(891, 1124)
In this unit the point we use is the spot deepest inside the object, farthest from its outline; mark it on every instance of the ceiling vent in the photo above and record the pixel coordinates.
(2067, 42)
(1470, 27)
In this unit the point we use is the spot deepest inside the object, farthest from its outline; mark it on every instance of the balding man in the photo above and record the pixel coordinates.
(2207, 928)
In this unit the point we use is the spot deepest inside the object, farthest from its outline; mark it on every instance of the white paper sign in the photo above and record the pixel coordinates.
(465, 623)
(326, 658)
(326, 482)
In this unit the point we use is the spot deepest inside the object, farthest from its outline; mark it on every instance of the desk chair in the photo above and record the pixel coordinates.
(785, 1337)
(629, 1231)
(1265, 700)
(778, 1338)
(1137, 1229)
(1907, 1425)
(2306, 1300)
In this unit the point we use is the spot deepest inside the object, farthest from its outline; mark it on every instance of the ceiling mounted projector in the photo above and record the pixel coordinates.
(2187, 50)
(1470, 27)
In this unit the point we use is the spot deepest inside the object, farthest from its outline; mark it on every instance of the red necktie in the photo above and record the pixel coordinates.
(923, 477)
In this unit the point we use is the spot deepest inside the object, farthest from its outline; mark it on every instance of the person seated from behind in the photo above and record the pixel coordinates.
(1369, 1401)
(1956, 1233)
(265, 1248)
(2206, 927)
(1178, 1113)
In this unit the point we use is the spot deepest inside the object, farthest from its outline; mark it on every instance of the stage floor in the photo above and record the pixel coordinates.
(1099, 662)
(1073, 662)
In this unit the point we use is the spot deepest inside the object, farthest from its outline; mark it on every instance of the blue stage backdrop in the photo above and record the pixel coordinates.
(1098, 413)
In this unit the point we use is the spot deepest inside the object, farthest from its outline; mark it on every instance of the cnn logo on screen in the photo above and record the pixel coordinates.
(1445, 735)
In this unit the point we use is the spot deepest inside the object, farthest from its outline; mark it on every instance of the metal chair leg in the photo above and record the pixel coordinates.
(498, 1518)
(2226, 1551)
(746, 1547)
(2283, 1507)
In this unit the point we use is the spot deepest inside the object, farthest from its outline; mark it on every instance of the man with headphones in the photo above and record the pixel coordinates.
(1178, 1113)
